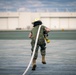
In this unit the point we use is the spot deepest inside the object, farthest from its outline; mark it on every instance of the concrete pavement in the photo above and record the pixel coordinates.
(60, 57)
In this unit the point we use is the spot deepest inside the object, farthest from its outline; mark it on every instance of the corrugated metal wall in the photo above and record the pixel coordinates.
(8, 23)
(12, 21)
(60, 23)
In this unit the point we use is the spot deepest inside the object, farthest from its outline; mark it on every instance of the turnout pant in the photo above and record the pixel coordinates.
(41, 43)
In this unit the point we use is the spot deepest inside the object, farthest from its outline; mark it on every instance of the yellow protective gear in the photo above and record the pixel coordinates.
(37, 19)
(47, 40)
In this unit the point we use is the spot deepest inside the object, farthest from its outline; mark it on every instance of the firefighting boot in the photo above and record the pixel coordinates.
(43, 60)
(34, 64)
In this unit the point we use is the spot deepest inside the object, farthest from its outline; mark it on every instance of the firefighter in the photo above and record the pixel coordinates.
(41, 41)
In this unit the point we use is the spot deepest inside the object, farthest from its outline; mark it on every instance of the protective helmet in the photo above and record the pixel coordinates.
(36, 19)
(36, 22)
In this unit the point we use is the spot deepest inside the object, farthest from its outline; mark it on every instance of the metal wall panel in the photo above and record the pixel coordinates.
(63, 23)
(3, 23)
(72, 23)
(54, 23)
(59, 23)
(46, 22)
(13, 23)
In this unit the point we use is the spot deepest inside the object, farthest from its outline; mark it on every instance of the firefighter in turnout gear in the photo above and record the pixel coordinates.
(41, 41)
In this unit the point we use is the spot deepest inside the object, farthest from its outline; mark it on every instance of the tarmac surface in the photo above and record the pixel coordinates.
(60, 58)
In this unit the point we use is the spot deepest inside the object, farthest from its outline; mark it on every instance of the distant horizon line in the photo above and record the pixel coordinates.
(40, 10)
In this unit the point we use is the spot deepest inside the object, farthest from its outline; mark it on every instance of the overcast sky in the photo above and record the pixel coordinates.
(33, 5)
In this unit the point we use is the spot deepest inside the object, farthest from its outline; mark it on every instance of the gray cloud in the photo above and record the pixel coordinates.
(24, 5)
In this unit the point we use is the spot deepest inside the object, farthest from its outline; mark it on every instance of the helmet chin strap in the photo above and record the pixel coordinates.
(33, 51)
